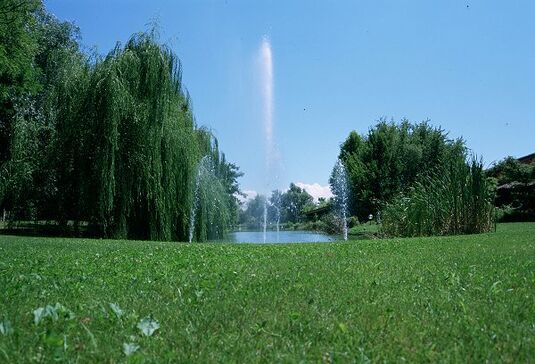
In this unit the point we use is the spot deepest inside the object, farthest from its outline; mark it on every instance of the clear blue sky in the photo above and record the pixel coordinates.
(469, 66)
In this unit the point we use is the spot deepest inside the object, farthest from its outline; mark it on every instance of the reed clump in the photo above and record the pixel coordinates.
(456, 198)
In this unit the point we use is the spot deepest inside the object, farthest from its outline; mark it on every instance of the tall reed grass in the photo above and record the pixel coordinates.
(456, 198)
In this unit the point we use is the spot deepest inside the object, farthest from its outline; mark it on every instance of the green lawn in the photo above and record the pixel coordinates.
(463, 299)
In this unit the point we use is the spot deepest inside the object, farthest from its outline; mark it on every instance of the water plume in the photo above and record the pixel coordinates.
(204, 169)
(341, 191)
(266, 73)
(266, 79)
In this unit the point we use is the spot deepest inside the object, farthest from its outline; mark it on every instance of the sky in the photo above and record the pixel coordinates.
(336, 66)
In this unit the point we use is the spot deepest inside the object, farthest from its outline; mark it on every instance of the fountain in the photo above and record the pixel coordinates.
(266, 73)
(265, 220)
(341, 191)
(278, 220)
(205, 168)
(275, 202)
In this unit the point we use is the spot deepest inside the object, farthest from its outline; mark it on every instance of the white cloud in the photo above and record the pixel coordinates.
(249, 195)
(316, 190)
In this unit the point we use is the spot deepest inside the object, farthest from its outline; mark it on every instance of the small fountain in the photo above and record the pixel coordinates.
(341, 191)
(278, 220)
(265, 219)
(276, 204)
(205, 168)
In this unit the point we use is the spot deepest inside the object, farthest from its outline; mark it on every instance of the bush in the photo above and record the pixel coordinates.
(455, 200)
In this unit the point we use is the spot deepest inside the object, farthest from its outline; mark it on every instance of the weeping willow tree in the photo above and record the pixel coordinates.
(127, 148)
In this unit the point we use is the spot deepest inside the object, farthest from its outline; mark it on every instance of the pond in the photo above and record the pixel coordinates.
(294, 236)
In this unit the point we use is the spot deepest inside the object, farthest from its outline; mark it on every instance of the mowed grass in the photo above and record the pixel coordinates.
(460, 299)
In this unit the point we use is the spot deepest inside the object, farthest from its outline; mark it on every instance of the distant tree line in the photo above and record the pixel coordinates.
(284, 206)
(110, 142)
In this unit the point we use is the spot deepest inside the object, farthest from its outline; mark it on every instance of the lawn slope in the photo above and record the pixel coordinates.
(465, 298)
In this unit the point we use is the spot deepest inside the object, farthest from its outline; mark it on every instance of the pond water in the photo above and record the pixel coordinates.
(294, 236)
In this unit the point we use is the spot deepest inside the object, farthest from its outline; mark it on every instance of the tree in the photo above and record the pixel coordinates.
(389, 158)
(18, 74)
(110, 141)
(511, 170)
(293, 203)
(275, 206)
(41, 45)
(253, 215)
(515, 189)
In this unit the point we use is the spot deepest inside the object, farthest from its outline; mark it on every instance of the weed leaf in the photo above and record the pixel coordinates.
(148, 326)
(38, 315)
(5, 327)
(130, 348)
(116, 309)
(54, 312)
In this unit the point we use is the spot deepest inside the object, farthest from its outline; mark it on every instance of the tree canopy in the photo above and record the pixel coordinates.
(109, 141)
(389, 158)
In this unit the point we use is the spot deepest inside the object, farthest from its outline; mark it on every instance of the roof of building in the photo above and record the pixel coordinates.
(516, 184)
(527, 158)
(320, 210)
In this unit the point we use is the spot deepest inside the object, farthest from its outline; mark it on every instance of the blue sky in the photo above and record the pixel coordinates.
(469, 66)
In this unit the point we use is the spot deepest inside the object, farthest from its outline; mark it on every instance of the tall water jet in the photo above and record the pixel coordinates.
(340, 188)
(266, 73)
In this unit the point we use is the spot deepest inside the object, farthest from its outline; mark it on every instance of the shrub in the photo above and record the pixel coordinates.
(456, 199)
(331, 224)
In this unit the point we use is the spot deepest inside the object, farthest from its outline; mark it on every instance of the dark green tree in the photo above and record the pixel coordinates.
(293, 203)
(389, 158)
(110, 141)
(18, 74)
(44, 45)
(253, 215)
(511, 170)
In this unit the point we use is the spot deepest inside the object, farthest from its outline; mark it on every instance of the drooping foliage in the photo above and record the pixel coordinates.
(134, 139)
(215, 204)
(112, 142)
(137, 131)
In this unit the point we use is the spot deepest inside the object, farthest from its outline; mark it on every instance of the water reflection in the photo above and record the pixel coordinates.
(296, 236)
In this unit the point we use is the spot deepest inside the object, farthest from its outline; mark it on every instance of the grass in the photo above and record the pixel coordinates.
(464, 299)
